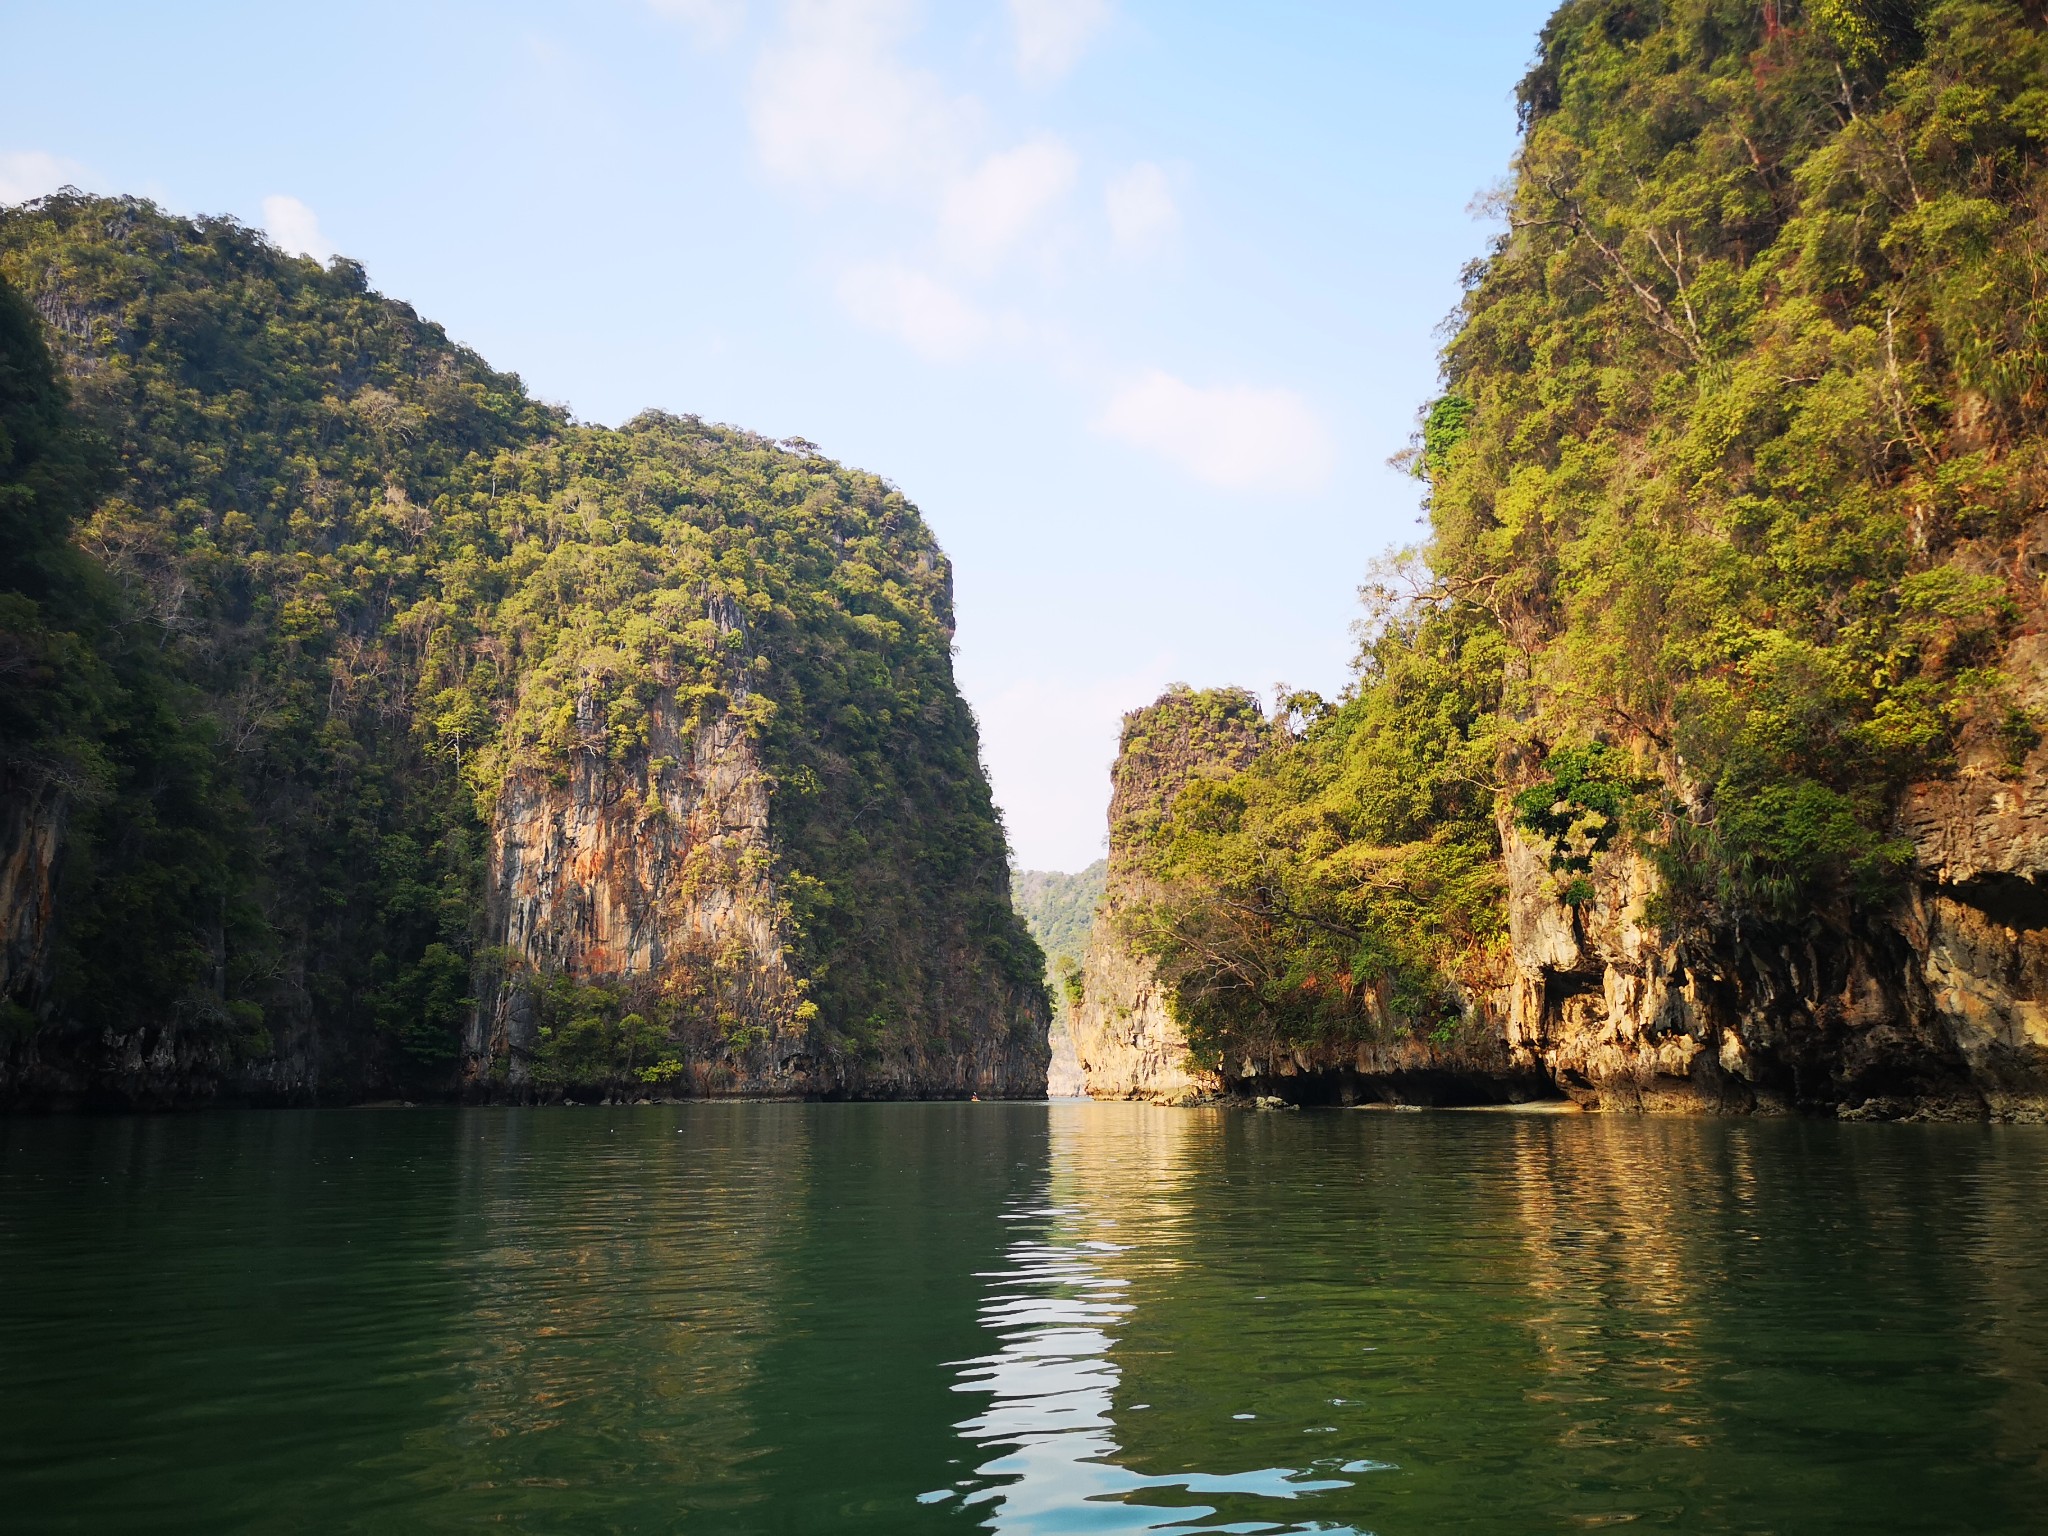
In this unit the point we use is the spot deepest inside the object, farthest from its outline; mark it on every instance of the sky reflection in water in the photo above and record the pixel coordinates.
(1052, 1388)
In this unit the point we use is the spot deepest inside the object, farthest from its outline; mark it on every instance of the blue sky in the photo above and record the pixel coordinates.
(1133, 298)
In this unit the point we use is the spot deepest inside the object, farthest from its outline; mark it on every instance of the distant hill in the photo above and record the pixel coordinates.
(1059, 908)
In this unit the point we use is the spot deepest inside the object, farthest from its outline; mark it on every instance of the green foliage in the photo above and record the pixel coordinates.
(1758, 381)
(1346, 882)
(1589, 794)
(100, 736)
(1059, 909)
(1072, 982)
(281, 434)
(1443, 429)
(426, 1003)
(590, 1041)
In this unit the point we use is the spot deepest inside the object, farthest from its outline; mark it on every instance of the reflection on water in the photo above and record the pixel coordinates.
(1052, 1385)
(1055, 1307)
(1019, 1318)
(651, 1293)
(1214, 1321)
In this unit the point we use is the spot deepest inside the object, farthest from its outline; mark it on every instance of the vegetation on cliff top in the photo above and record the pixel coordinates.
(310, 581)
(1742, 421)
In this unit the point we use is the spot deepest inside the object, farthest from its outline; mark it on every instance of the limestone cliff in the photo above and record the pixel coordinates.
(1934, 1006)
(660, 877)
(1125, 1039)
(1937, 1008)
(1694, 761)
(652, 874)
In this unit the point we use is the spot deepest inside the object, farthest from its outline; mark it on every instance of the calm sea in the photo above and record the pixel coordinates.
(1019, 1318)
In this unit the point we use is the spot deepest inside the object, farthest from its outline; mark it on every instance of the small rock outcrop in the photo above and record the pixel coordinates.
(1127, 1043)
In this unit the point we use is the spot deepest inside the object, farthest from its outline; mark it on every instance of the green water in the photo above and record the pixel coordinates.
(1019, 1318)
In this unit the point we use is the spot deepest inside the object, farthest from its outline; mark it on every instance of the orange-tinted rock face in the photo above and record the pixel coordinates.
(1935, 1009)
(657, 877)
(653, 875)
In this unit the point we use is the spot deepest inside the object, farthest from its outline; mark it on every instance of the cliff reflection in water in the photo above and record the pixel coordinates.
(608, 1353)
(1369, 1322)
(741, 1324)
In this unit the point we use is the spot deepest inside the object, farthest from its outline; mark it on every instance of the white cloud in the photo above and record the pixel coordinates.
(715, 22)
(1239, 438)
(293, 226)
(27, 173)
(995, 204)
(1142, 213)
(928, 317)
(1053, 34)
(834, 106)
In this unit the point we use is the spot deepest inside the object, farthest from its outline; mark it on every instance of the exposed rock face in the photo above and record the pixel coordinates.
(657, 876)
(1127, 1043)
(1063, 1076)
(1938, 1007)
(1932, 1011)
(653, 875)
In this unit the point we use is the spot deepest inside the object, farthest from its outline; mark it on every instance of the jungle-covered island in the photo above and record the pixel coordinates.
(374, 730)
(780, 1139)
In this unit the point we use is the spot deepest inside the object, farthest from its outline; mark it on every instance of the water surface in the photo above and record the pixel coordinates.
(1019, 1318)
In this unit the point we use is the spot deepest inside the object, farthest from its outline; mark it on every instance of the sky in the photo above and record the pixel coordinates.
(1134, 298)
